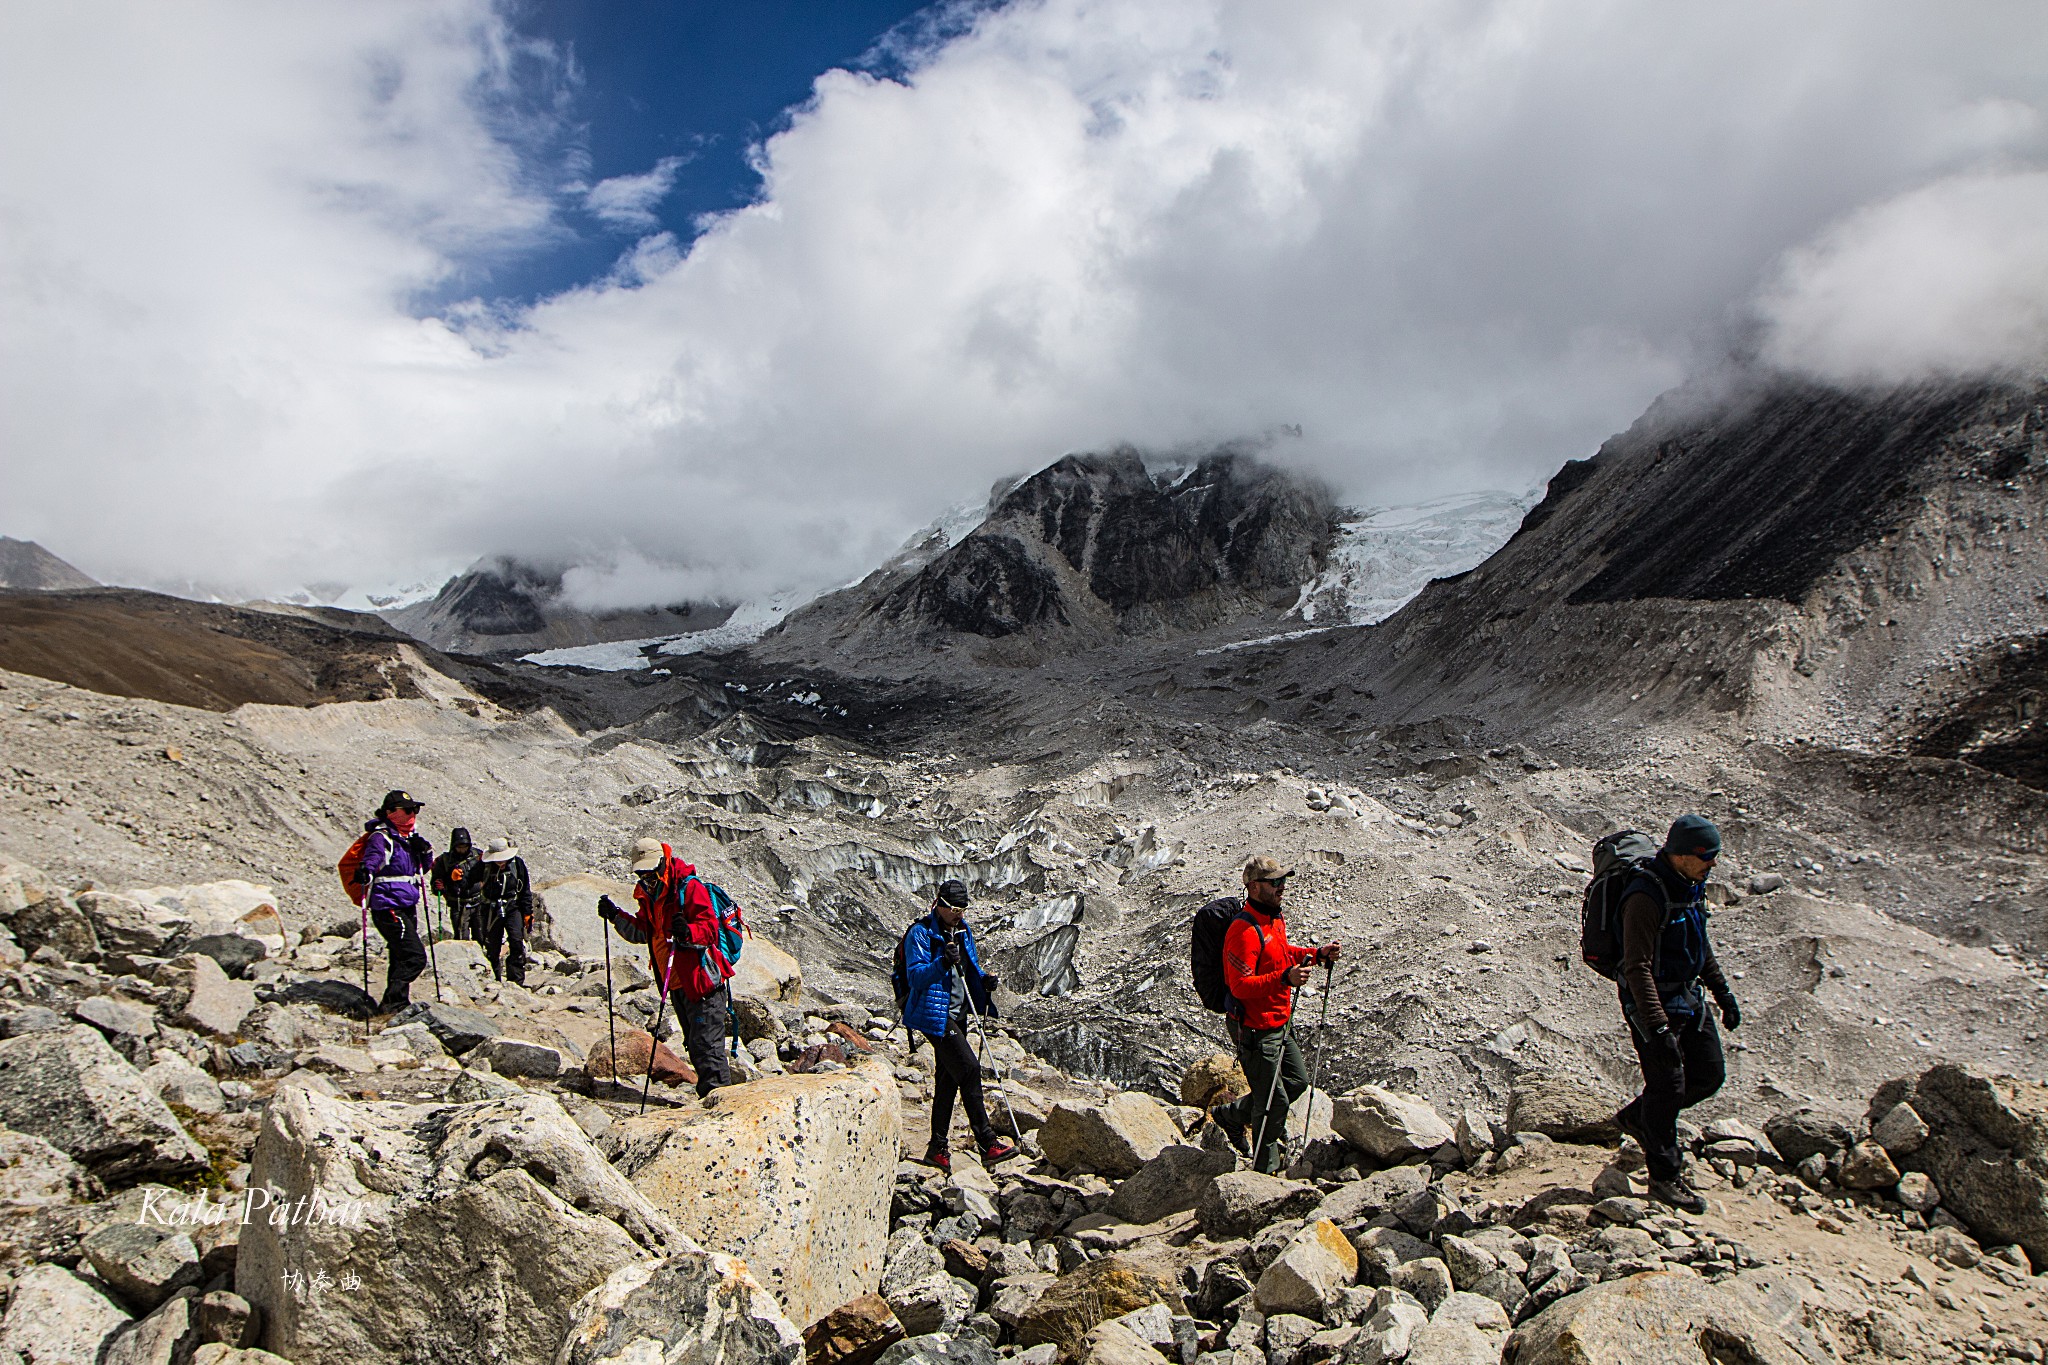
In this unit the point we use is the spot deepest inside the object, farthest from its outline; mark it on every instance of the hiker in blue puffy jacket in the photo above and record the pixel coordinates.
(397, 861)
(946, 987)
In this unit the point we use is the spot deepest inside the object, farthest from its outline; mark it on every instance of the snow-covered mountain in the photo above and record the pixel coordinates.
(1384, 556)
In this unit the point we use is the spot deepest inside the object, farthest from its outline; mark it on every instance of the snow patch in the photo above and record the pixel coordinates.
(1384, 556)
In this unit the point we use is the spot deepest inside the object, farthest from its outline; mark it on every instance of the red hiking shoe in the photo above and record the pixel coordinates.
(939, 1157)
(998, 1150)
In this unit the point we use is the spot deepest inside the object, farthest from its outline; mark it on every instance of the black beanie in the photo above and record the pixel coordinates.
(1694, 836)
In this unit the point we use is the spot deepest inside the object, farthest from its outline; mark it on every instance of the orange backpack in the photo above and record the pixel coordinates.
(350, 870)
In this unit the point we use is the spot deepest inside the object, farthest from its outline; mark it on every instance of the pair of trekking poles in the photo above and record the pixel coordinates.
(611, 1017)
(1314, 1076)
(980, 1056)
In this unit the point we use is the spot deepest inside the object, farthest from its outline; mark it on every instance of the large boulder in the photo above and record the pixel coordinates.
(75, 1092)
(1663, 1316)
(459, 1225)
(458, 1028)
(1115, 1138)
(691, 1309)
(767, 973)
(1388, 1125)
(56, 923)
(629, 1067)
(22, 885)
(1239, 1203)
(565, 916)
(230, 907)
(56, 1318)
(1986, 1148)
(854, 1333)
(1172, 1182)
(1308, 1273)
(1212, 1080)
(793, 1173)
(1094, 1293)
(1563, 1108)
(125, 925)
(1381, 1192)
(1800, 1133)
(204, 997)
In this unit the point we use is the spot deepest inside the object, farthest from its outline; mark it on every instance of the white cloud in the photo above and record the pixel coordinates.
(1457, 241)
(627, 201)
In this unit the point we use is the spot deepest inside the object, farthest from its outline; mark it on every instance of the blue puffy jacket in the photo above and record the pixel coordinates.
(931, 992)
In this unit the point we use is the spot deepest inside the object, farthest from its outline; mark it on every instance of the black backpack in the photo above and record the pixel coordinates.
(1617, 860)
(1205, 952)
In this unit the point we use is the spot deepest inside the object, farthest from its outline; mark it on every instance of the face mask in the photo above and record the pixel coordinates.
(401, 820)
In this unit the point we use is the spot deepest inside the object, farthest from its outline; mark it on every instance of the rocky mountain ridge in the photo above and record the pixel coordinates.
(27, 567)
(504, 607)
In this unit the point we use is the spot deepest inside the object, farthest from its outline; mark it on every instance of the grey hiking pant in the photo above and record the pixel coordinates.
(1262, 1052)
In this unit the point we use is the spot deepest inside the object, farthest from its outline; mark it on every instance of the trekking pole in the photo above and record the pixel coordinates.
(1315, 1070)
(1286, 1030)
(611, 1018)
(653, 1034)
(981, 1061)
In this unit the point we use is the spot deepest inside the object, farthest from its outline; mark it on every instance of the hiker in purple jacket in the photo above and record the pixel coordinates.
(397, 861)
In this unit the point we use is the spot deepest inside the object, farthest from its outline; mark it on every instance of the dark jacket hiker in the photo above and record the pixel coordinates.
(504, 908)
(454, 880)
(1666, 958)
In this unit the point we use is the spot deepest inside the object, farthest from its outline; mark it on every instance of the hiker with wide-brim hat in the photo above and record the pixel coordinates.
(504, 906)
(676, 920)
(1665, 959)
(945, 987)
(1262, 970)
(396, 862)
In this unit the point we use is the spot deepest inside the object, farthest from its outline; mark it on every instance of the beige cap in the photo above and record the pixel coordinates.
(500, 850)
(644, 855)
(1264, 869)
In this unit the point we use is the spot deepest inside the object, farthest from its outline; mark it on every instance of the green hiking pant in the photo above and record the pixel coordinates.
(1262, 1052)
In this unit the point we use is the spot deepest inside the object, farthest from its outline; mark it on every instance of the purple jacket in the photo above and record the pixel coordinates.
(387, 855)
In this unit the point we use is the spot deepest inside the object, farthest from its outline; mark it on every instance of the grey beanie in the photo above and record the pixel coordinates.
(1695, 836)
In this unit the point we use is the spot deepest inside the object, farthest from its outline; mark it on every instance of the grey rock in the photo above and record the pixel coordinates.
(228, 1318)
(203, 997)
(1287, 1333)
(236, 953)
(1505, 1289)
(1563, 1108)
(118, 1019)
(143, 1263)
(69, 1088)
(56, 1318)
(1239, 1203)
(1623, 1209)
(1388, 1125)
(1469, 1262)
(502, 1179)
(1918, 1192)
(33, 1173)
(517, 1057)
(56, 923)
(125, 925)
(1115, 1138)
(1661, 1315)
(176, 1081)
(33, 1019)
(1172, 1182)
(1452, 1343)
(459, 1029)
(1382, 1250)
(1428, 1279)
(1487, 1314)
(1305, 1278)
(689, 1309)
(935, 1303)
(1867, 1166)
(1376, 1194)
(336, 997)
(165, 1337)
(939, 1349)
(1475, 1135)
(1901, 1131)
(1386, 1336)
(1800, 1133)
(1986, 1150)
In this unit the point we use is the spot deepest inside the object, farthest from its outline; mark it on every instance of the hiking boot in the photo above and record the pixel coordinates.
(939, 1157)
(998, 1150)
(1240, 1136)
(1678, 1194)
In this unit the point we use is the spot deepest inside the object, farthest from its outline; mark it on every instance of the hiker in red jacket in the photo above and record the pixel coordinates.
(676, 920)
(1262, 969)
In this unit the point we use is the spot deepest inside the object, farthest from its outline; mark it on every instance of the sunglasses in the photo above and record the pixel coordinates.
(1280, 881)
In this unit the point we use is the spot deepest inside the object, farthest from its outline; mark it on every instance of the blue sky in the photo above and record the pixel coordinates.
(700, 81)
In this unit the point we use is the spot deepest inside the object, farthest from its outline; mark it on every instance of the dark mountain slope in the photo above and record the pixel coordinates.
(27, 566)
(503, 607)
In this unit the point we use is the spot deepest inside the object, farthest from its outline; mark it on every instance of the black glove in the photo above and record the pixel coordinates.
(606, 910)
(953, 953)
(989, 982)
(421, 849)
(1731, 1012)
(1667, 1042)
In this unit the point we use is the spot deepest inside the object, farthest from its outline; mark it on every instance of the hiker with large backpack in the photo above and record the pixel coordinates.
(1644, 926)
(391, 864)
(692, 948)
(504, 908)
(454, 881)
(1259, 971)
(940, 986)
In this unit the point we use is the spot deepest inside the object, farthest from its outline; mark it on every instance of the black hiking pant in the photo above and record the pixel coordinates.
(462, 917)
(499, 924)
(1669, 1088)
(704, 1027)
(959, 1074)
(1263, 1052)
(401, 931)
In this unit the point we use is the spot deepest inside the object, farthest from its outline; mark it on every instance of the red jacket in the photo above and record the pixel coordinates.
(1256, 956)
(679, 915)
